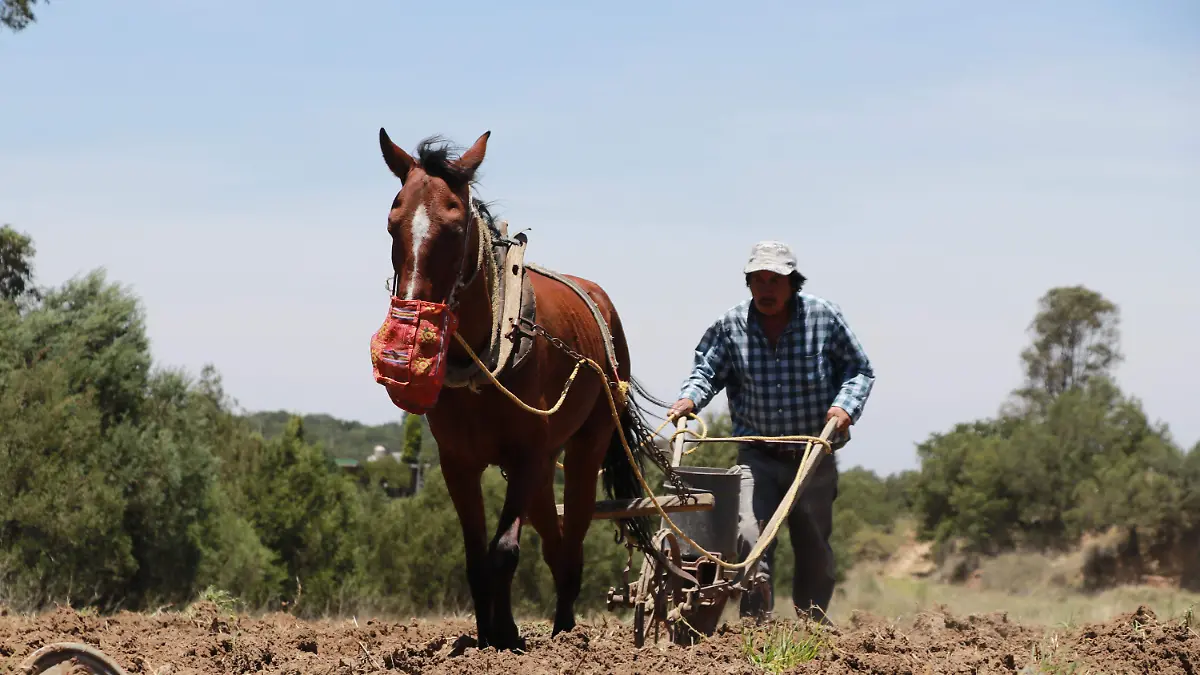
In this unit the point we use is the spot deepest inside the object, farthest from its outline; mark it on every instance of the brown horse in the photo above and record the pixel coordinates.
(448, 258)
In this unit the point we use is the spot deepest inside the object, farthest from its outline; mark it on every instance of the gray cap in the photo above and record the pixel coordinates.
(772, 256)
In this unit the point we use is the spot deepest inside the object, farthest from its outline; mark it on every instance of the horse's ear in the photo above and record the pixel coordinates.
(397, 159)
(473, 157)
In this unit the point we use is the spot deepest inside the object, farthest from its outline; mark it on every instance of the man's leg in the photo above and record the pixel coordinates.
(810, 525)
(759, 499)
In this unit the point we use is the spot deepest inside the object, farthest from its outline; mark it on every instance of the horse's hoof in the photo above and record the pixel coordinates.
(516, 645)
(563, 626)
(509, 643)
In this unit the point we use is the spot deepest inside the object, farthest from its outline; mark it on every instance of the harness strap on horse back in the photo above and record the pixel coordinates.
(591, 304)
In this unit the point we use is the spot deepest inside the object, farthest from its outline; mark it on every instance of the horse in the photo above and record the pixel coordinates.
(453, 278)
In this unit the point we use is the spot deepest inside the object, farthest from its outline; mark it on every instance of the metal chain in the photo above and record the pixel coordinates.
(663, 465)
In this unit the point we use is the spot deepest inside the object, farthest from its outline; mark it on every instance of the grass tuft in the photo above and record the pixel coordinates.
(783, 646)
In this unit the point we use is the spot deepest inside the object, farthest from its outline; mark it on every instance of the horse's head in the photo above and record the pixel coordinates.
(432, 258)
(430, 218)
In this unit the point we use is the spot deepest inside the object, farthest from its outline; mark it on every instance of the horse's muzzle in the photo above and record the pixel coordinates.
(408, 353)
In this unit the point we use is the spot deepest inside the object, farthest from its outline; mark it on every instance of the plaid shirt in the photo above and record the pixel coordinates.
(817, 363)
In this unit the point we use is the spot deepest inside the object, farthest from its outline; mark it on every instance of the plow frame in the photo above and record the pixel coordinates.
(688, 595)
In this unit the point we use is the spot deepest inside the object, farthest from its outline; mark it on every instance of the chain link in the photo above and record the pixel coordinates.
(557, 342)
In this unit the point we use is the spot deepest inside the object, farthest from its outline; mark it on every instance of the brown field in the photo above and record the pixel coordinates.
(883, 625)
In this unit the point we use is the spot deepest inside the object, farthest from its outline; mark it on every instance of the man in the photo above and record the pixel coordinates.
(789, 363)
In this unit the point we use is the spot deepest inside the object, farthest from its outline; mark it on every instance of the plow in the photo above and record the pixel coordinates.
(685, 589)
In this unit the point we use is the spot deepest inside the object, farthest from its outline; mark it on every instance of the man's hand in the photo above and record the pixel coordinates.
(842, 416)
(682, 407)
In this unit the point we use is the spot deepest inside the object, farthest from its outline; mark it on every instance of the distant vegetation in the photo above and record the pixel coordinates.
(130, 484)
(340, 438)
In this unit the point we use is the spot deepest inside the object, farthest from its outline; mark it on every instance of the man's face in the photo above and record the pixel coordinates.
(770, 291)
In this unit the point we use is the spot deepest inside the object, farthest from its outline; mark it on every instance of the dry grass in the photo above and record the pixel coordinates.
(1041, 603)
(1032, 588)
(897, 598)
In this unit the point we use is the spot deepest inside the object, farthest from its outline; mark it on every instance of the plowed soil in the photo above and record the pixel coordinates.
(205, 640)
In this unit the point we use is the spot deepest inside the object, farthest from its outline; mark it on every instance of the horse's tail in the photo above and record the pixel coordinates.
(620, 480)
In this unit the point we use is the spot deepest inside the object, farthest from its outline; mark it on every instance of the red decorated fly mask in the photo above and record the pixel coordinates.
(408, 353)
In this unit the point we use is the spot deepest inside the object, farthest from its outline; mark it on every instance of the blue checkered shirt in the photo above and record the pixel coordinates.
(787, 390)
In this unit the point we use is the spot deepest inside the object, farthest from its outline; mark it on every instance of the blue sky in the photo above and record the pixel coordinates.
(938, 166)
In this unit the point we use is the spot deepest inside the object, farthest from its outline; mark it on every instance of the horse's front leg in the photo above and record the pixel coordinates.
(523, 481)
(467, 495)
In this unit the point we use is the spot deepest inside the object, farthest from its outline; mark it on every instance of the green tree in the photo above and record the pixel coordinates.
(99, 328)
(1089, 461)
(17, 14)
(16, 265)
(936, 488)
(413, 436)
(62, 534)
(1075, 338)
(311, 516)
(167, 463)
(233, 557)
(386, 473)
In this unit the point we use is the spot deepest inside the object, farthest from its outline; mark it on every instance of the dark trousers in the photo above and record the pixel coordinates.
(766, 477)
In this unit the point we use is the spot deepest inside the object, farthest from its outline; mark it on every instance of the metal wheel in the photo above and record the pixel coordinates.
(69, 658)
(657, 588)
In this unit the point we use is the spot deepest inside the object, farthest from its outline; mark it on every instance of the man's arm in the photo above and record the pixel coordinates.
(710, 366)
(850, 360)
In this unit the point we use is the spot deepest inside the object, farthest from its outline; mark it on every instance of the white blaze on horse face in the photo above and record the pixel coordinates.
(419, 232)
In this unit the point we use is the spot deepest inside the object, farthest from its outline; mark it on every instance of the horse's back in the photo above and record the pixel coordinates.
(564, 314)
(551, 293)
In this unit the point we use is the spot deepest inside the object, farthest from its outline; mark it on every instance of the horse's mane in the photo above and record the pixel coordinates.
(436, 156)
(485, 213)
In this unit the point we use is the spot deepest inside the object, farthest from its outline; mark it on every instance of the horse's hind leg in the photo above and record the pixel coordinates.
(543, 515)
(581, 464)
(505, 551)
(467, 495)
